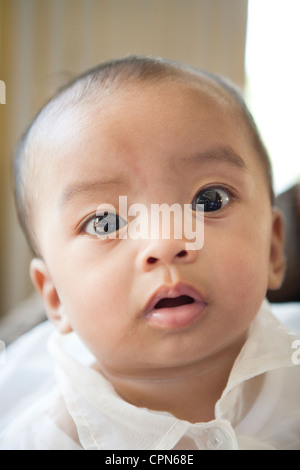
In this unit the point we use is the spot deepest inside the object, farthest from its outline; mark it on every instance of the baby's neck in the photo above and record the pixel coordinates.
(189, 393)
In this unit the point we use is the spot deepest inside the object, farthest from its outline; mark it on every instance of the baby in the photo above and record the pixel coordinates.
(183, 350)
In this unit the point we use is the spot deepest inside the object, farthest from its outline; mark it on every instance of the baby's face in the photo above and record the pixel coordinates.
(165, 143)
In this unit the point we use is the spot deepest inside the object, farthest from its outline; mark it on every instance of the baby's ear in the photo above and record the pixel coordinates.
(277, 257)
(43, 283)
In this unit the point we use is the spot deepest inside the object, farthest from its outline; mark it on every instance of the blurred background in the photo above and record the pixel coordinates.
(44, 43)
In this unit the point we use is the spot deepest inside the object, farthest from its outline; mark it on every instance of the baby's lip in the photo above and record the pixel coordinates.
(171, 292)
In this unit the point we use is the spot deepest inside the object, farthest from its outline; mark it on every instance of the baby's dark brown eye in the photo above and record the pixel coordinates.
(211, 199)
(104, 225)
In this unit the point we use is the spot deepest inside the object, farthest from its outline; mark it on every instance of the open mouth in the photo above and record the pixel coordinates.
(168, 302)
(174, 307)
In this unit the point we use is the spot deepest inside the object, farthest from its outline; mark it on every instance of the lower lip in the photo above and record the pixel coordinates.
(176, 317)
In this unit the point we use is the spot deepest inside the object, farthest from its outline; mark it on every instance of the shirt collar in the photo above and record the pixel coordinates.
(104, 420)
(268, 347)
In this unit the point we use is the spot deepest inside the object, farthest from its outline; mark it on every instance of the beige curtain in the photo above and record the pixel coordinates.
(45, 42)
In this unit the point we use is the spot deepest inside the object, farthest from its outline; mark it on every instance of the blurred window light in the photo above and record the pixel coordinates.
(273, 78)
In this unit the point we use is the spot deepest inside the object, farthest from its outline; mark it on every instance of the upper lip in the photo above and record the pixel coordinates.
(172, 292)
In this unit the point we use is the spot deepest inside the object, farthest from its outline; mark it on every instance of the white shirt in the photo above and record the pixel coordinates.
(259, 408)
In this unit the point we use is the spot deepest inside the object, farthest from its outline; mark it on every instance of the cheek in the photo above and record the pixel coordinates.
(236, 279)
(242, 274)
(240, 260)
(95, 294)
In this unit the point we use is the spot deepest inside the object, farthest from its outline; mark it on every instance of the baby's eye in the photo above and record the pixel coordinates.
(104, 225)
(212, 199)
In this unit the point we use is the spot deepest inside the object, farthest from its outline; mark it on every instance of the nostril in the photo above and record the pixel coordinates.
(151, 260)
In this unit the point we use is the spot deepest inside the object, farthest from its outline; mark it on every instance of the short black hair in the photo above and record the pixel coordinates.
(107, 76)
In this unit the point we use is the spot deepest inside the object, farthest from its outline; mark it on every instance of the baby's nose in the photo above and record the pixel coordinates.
(164, 252)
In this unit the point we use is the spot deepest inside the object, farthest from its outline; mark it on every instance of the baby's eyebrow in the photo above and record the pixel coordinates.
(78, 189)
(219, 155)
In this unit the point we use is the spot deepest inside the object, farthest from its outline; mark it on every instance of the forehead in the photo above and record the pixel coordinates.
(137, 129)
(166, 104)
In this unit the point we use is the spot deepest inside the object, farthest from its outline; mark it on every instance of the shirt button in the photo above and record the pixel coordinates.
(217, 440)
